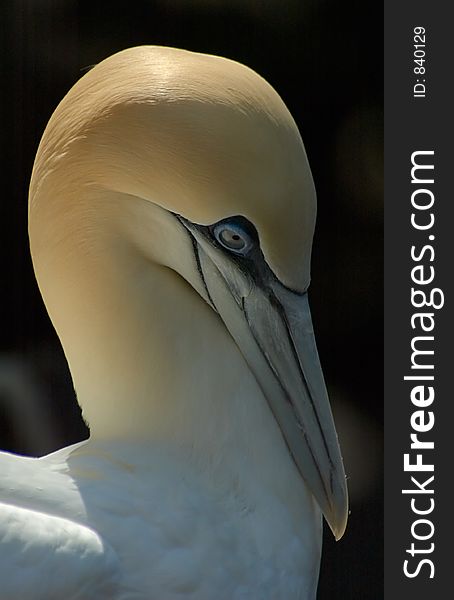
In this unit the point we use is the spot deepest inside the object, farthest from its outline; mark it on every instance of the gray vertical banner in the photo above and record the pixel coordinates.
(419, 300)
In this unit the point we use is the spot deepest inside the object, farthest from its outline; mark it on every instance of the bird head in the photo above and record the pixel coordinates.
(211, 145)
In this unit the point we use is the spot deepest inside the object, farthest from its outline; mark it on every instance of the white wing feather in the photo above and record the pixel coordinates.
(45, 557)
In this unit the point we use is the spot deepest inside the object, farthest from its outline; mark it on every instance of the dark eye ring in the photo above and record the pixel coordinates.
(233, 237)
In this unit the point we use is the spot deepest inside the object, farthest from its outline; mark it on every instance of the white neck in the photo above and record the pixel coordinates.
(150, 360)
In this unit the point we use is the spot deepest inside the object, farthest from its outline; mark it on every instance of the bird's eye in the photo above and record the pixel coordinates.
(233, 237)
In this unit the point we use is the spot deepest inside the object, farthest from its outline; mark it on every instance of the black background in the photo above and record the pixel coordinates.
(325, 60)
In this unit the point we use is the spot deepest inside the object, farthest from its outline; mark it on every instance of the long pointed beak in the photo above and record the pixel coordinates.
(273, 328)
(281, 324)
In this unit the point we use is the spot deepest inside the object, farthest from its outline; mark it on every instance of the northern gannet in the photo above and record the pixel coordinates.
(171, 218)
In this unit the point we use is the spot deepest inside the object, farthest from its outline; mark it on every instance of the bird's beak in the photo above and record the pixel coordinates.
(273, 328)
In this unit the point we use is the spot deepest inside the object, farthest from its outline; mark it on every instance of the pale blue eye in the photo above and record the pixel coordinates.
(233, 237)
